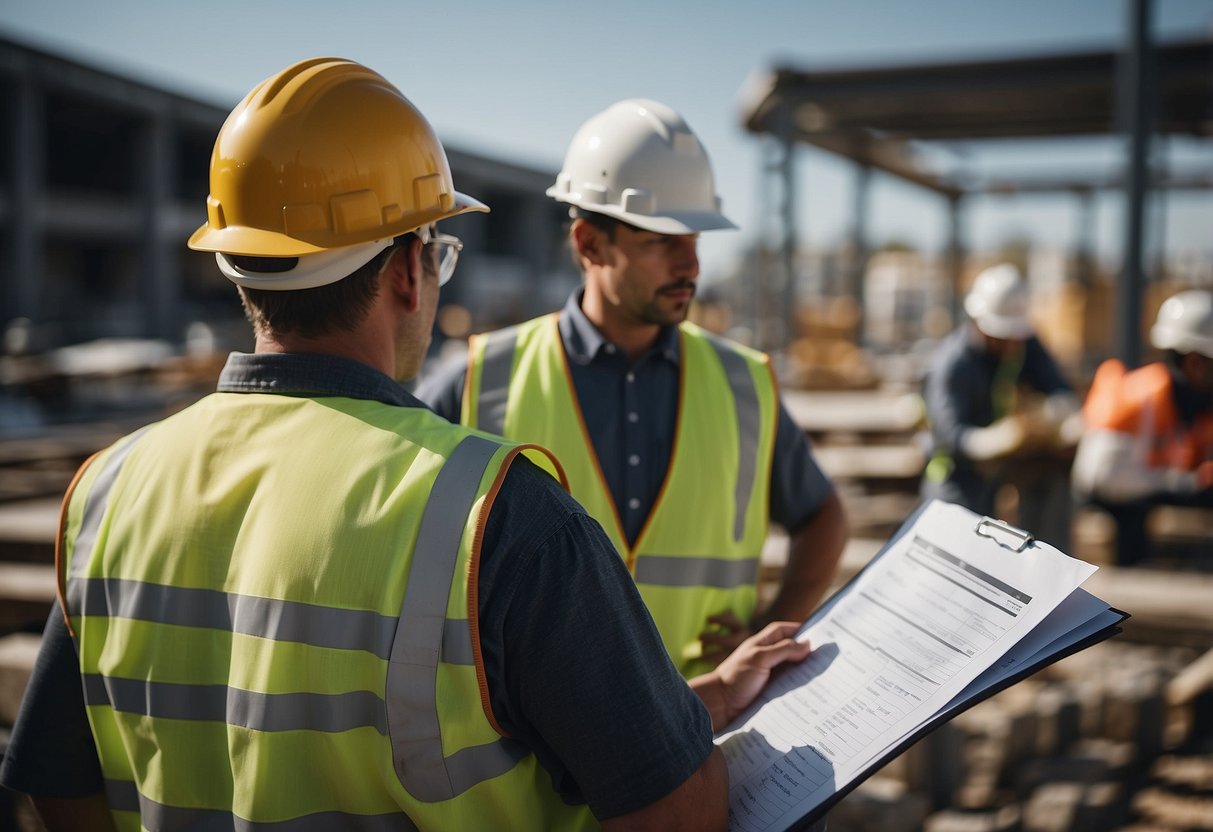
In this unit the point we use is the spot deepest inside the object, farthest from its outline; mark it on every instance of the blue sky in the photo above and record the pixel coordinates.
(514, 80)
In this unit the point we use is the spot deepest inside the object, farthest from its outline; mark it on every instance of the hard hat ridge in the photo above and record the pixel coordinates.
(326, 155)
(639, 162)
(1185, 323)
(998, 303)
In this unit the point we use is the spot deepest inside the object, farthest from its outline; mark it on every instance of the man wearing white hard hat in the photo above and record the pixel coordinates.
(975, 387)
(674, 439)
(1149, 431)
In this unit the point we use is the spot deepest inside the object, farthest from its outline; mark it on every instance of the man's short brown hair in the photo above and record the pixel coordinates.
(311, 313)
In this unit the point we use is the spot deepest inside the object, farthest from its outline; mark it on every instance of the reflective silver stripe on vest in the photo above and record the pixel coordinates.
(413, 669)
(422, 637)
(457, 642)
(94, 510)
(495, 380)
(123, 796)
(749, 427)
(270, 618)
(672, 570)
(326, 712)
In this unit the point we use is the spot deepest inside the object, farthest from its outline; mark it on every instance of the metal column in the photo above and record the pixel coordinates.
(160, 272)
(859, 246)
(28, 129)
(1085, 245)
(955, 257)
(788, 213)
(1136, 108)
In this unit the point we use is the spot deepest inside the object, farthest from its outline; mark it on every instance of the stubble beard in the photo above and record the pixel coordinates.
(655, 313)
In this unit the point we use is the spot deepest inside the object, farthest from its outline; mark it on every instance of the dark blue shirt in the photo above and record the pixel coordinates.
(959, 396)
(631, 412)
(575, 667)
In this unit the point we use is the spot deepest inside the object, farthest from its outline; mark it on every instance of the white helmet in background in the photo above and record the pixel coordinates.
(1185, 323)
(639, 162)
(998, 303)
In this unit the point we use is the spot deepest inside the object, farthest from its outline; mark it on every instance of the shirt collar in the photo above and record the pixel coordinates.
(310, 374)
(583, 342)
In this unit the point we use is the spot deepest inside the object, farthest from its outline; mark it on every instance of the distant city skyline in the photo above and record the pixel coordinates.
(514, 81)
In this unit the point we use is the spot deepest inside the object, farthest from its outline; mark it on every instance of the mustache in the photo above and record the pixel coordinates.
(678, 286)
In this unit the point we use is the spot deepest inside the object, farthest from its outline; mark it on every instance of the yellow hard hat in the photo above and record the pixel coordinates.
(325, 156)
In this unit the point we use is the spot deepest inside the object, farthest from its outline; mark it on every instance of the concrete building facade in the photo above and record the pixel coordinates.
(104, 177)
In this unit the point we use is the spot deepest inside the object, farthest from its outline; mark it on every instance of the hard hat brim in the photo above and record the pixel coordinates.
(1005, 328)
(674, 222)
(256, 242)
(1164, 337)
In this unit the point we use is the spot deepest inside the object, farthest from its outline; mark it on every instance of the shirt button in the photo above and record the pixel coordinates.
(631, 377)
(634, 460)
(633, 504)
(610, 348)
(633, 418)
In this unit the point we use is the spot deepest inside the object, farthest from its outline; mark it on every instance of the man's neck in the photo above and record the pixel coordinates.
(633, 338)
(340, 346)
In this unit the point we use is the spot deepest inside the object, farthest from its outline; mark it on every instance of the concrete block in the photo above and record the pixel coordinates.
(1104, 806)
(1053, 807)
(1191, 774)
(1058, 720)
(880, 803)
(1186, 812)
(1005, 819)
(1133, 712)
(18, 651)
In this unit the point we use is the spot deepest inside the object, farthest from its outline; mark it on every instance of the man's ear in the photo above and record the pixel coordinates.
(404, 272)
(589, 242)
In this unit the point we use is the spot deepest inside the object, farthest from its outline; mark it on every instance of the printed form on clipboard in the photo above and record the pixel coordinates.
(955, 608)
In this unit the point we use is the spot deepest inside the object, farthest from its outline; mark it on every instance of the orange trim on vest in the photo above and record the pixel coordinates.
(473, 576)
(630, 558)
(669, 468)
(60, 572)
(774, 413)
(473, 345)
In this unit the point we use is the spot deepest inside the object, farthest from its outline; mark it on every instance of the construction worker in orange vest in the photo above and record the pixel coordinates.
(1149, 431)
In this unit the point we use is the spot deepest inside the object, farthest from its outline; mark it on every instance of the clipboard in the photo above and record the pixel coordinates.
(1014, 541)
(948, 715)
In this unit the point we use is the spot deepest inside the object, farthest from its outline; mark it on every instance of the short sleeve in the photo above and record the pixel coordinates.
(1041, 371)
(799, 487)
(52, 752)
(442, 389)
(575, 666)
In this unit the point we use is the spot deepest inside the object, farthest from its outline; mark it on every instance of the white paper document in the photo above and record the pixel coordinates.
(949, 609)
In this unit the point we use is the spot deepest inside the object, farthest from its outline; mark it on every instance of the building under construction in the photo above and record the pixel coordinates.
(112, 321)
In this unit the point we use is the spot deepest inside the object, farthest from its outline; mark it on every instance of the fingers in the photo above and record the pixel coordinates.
(775, 631)
(725, 630)
(787, 650)
(776, 644)
(726, 619)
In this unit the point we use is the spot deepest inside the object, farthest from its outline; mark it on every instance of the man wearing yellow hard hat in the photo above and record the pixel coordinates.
(307, 602)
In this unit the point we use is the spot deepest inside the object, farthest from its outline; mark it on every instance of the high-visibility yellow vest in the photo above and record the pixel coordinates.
(698, 553)
(274, 604)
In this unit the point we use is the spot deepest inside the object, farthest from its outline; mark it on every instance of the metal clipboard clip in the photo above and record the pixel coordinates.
(1021, 539)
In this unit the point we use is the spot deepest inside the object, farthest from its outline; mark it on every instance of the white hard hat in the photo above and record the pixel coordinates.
(639, 162)
(998, 303)
(1185, 323)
